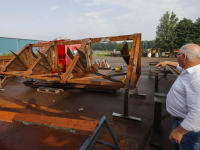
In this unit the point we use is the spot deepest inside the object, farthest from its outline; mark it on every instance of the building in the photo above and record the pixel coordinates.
(14, 44)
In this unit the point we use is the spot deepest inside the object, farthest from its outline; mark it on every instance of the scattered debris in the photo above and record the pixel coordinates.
(80, 109)
(49, 90)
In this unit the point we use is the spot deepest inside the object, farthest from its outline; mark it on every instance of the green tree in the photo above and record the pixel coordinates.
(165, 35)
(119, 46)
(197, 31)
(144, 44)
(184, 32)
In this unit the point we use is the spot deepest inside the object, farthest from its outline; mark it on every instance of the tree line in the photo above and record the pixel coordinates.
(118, 46)
(171, 34)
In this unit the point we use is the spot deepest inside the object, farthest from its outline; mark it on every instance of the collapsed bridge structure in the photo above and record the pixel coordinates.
(81, 71)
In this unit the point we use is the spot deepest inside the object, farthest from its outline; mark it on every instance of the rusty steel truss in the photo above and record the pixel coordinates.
(27, 64)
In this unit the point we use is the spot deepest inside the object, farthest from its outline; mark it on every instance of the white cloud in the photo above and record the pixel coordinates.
(93, 14)
(143, 16)
(53, 7)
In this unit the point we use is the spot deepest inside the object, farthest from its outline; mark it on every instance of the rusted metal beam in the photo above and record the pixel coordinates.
(84, 43)
(131, 79)
(136, 68)
(6, 57)
(77, 126)
(59, 43)
(12, 73)
(85, 82)
(114, 38)
(66, 75)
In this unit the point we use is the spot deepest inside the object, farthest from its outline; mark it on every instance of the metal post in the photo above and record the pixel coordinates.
(149, 71)
(157, 117)
(156, 82)
(0, 82)
(126, 97)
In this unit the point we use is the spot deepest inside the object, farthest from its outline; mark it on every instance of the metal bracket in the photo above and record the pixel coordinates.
(137, 94)
(90, 141)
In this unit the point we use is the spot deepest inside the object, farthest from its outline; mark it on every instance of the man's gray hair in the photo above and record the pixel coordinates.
(192, 51)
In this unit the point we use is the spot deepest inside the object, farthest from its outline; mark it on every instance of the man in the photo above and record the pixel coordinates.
(183, 99)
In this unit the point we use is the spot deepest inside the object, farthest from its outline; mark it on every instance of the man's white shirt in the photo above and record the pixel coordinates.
(183, 99)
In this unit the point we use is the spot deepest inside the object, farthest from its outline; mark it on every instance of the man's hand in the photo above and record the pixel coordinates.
(161, 64)
(177, 134)
(164, 63)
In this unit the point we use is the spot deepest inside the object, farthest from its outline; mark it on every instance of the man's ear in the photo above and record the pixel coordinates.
(184, 56)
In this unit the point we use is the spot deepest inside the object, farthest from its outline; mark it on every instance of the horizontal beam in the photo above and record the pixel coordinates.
(114, 38)
(77, 126)
(6, 57)
(58, 43)
(86, 82)
(12, 73)
(93, 40)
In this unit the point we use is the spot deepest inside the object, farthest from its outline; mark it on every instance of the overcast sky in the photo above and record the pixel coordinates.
(77, 19)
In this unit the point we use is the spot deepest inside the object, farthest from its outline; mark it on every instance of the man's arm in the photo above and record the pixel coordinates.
(164, 63)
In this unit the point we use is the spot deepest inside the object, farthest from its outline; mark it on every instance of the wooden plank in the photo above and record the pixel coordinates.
(77, 126)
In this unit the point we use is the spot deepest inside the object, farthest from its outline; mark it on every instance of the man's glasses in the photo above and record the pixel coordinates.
(179, 54)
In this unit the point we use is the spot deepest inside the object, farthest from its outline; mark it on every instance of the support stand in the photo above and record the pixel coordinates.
(125, 115)
(156, 131)
(159, 98)
(90, 141)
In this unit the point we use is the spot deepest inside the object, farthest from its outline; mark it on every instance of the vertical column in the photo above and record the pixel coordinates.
(156, 82)
(126, 97)
(157, 117)
(0, 82)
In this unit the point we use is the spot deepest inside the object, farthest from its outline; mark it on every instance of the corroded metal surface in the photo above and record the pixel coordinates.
(19, 136)
(76, 126)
